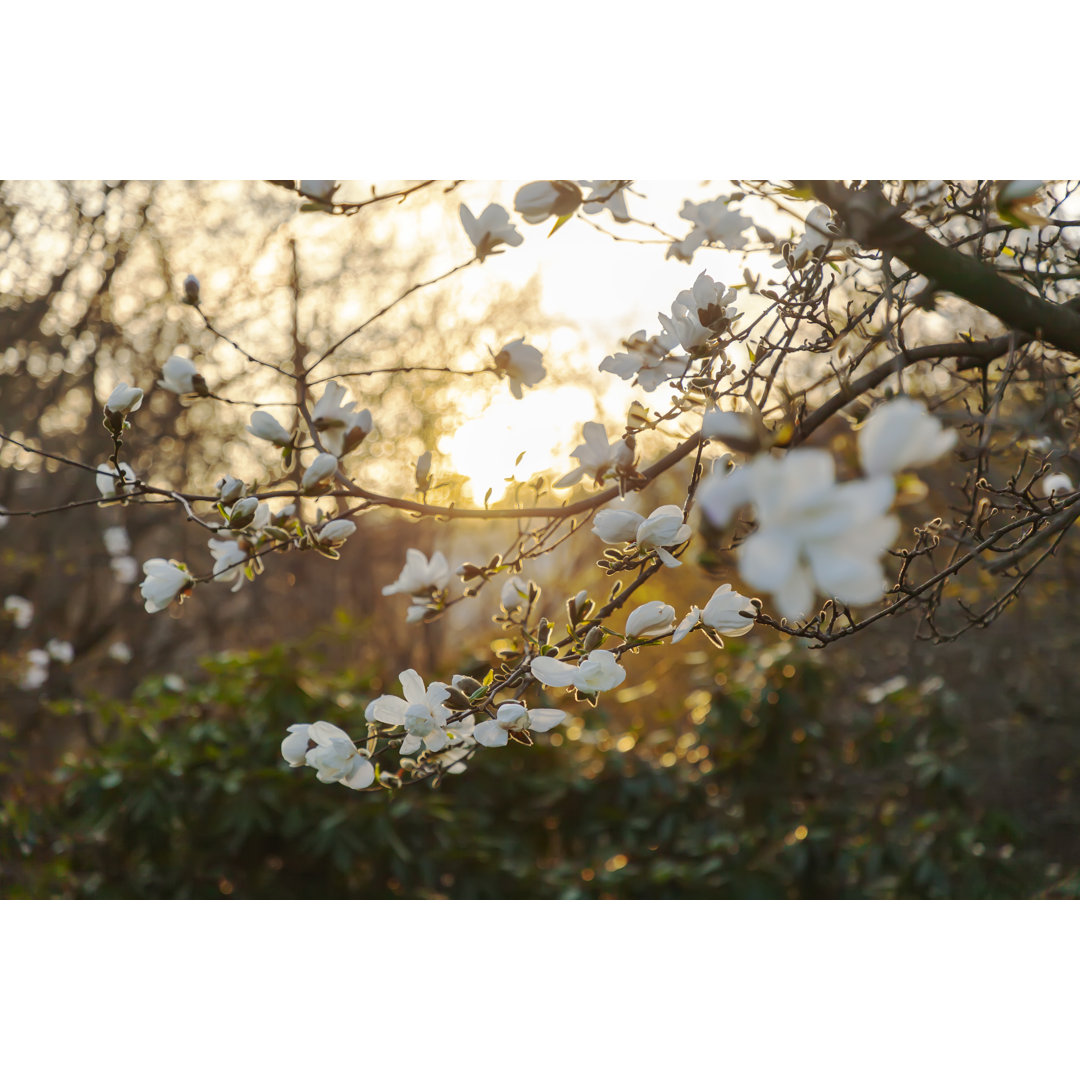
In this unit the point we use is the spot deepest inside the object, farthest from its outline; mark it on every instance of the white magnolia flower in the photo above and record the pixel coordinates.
(514, 593)
(63, 652)
(21, 611)
(336, 532)
(179, 376)
(318, 189)
(600, 672)
(606, 195)
(1054, 484)
(617, 525)
(242, 512)
(230, 560)
(821, 234)
(120, 652)
(319, 472)
(124, 399)
(542, 199)
(650, 620)
(521, 363)
(723, 613)
(513, 716)
(106, 478)
(117, 541)
(663, 528)
(646, 361)
(700, 313)
(490, 230)
(334, 754)
(36, 672)
(264, 426)
(421, 713)
(125, 569)
(722, 493)
(230, 489)
(598, 457)
(714, 223)
(421, 576)
(901, 434)
(814, 535)
(341, 428)
(722, 425)
(164, 582)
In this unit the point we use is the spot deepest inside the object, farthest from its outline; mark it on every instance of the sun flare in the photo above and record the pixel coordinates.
(546, 425)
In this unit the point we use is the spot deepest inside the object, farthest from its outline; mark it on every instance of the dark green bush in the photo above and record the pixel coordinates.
(777, 783)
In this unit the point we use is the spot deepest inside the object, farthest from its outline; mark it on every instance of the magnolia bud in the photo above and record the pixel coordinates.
(593, 639)
(543, 631)
(423, 470)
(457, 699)
(191, 289)
(230, 489)
(467, 684)
(243, 512)
(319, 472)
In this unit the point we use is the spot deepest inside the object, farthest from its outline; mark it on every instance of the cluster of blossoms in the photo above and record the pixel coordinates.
(813, 535)
(817, 536)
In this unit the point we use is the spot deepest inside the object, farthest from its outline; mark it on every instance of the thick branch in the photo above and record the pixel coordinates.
(872, 220)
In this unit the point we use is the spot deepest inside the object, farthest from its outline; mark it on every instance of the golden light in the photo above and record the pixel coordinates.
(546, 424)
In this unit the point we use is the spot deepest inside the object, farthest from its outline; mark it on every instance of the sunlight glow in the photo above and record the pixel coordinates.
(546, 424)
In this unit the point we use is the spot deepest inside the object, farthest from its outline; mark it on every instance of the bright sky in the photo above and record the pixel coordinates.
(599, 291)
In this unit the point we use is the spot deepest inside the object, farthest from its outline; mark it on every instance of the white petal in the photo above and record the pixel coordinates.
(489, 733)
(552, 672)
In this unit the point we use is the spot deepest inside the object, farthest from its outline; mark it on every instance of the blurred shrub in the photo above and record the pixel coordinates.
(773, 783)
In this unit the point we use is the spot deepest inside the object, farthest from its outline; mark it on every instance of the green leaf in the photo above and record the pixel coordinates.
(560, 223)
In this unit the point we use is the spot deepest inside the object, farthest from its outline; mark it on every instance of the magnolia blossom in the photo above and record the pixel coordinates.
(120, 652)
(180, 376)
(318, 189)
(542, 199)
(242, 512)
(598, 457)
(646, 361)
(1054, 484)
(336, 532)
(334, 754)
(490, 230)
(600, 672)
(319, 472)
(423, 470)
(230, 489)
(723, 613)
(420, 575)
(124, 399)
(107, 476)
(36, 673)
(617, 525)
(700, 313)
(663, 528)
(125, 569)
(714, 223)
(229, 562)
(264, 426)
(901, 434)
(117, 541)
(650, 620)
(63, 652)
(821, 234)
(21, 611)
(421, 713)
(513, 716)
(341, 428)
(606, 195)
(813, 535)
(521, 363)
(736, 427)
(165, 581)
(514, 593)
